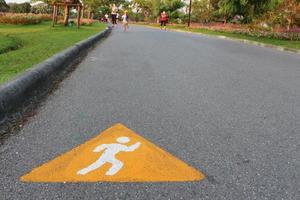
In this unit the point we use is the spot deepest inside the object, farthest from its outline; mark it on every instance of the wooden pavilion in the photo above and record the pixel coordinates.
(67, 5)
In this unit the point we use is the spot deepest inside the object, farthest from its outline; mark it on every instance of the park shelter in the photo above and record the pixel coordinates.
(67, 5)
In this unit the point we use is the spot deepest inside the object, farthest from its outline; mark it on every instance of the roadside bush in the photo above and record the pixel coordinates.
(257, 30)
(44, 17)
(83, 21)
(287, 35)
(8, 43)
(23, 19)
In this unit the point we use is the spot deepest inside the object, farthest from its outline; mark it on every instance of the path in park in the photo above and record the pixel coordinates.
(228, 109)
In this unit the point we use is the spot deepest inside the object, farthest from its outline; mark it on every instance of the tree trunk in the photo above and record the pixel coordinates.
(136, 15)
(66, 19)
(54, 15)
(289, 25)
(225, 19)
(291, 20)
(146, 16)
(89, 14)
(78, 15)
(82, 11)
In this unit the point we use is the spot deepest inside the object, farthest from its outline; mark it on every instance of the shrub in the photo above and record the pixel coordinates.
(83, 21)
(257, 30)
(23, 18)
(8, 43)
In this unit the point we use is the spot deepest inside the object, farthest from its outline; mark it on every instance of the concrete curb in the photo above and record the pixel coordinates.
(279, 48)
(20, 91)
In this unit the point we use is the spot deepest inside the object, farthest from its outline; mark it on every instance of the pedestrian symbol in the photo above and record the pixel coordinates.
(108, 156)
(116, 155)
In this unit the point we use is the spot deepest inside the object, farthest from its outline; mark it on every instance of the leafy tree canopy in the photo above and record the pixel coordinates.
(3, 6)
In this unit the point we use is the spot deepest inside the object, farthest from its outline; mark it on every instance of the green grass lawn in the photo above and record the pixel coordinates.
(26, 45)
(277, 42)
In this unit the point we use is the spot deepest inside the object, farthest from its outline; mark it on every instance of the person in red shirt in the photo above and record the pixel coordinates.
(163, 20)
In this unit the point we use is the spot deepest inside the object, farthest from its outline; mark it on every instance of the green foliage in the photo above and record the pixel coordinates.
(282, 14)
(94, 5)
(171, 5)
(143, 9)
(202, 11)
(19, 8)
(273, 12)
(8, 43)
(230, 8)
(104, 10)
(3, 6)
(152, 8)
(155, 8)
(172, 8)
(41, 9)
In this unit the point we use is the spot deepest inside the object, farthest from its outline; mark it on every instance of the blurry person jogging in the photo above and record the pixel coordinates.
(125, 21)
(163, 20)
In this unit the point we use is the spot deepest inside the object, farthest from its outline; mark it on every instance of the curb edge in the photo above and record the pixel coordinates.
(22, 89)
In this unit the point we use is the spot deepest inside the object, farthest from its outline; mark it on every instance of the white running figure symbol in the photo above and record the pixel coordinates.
(108, 156)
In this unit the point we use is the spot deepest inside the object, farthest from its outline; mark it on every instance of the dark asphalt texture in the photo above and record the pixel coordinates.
(229, 109)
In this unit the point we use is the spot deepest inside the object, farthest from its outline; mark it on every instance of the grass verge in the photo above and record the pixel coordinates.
(39, 42)
(281, 43)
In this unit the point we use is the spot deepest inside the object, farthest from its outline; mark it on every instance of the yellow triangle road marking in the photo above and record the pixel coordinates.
(116, 155)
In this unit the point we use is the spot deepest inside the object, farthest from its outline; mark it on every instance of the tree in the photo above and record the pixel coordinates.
(171, 5)
(255, 8)
(172, 8)
(143, 6)
(201, 10)
(93, 6)
(3, 6)
(41, 8)
(290, 10)
(249, 9)
(19, 8)
(229, 8)
(155, 9)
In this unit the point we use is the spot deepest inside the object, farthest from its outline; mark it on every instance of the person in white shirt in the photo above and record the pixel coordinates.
(106, 17)
(125, 21)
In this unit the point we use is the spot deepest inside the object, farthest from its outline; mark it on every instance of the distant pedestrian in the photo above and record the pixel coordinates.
(114, 11)
(118, 17)
(163, 20)
(106, 17)
(125, 21)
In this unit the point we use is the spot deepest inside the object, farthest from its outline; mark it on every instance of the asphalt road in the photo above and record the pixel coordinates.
(228, 109)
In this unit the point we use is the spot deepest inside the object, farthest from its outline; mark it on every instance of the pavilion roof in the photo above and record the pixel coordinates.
(67, 2)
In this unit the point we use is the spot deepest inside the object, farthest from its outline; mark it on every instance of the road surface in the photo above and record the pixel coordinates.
(230, 110)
